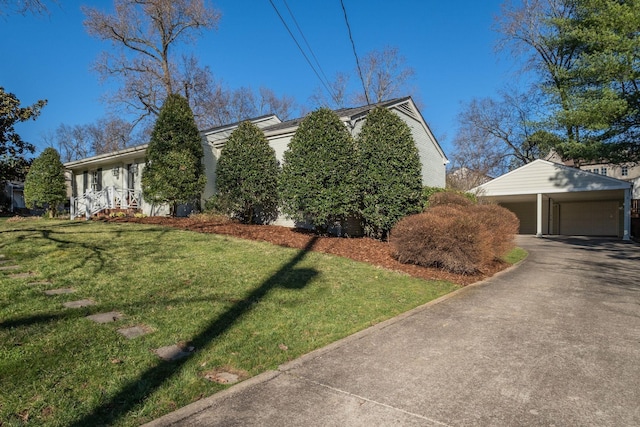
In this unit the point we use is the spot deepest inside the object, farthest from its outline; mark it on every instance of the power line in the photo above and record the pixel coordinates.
(305, 41)
(353, 45)
(302, 51)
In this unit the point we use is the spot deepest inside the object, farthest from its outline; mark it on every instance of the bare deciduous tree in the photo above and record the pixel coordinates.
(339, 96)
(496, 135)
(23, 7)
(106, 135)
(145, 34)
(385, 75)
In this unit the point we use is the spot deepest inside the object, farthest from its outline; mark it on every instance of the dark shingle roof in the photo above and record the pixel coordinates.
(352, 112)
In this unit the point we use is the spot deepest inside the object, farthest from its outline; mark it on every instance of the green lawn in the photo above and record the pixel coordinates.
(245, 306)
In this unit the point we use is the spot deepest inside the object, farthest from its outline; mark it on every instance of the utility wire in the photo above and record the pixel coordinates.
(353, 45)
(302, 51)
(305, 41)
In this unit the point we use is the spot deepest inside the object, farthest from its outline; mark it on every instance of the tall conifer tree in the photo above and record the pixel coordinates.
(390, 172)
(174, 172)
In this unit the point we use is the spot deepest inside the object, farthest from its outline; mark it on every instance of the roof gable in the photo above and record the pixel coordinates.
(542, 176)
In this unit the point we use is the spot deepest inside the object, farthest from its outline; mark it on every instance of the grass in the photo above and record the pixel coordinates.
(515, 255)
(245, 306)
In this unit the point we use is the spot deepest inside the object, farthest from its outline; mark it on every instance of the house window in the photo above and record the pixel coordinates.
(85, 181)
(595, 171)
(625, 171)
(96, 182)
(603, 171)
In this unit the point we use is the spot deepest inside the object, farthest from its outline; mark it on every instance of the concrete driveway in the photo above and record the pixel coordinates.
(554, 341)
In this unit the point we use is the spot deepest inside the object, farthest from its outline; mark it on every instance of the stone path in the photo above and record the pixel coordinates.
(168, 353)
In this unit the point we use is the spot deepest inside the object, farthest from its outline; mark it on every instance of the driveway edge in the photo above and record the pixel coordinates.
(176, 417)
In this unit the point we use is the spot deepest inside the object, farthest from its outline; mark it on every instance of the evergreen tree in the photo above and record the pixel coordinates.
(390, 172)
(12, 148)
(174, 172)
(247, 175)
(45, 184)
(318, 181)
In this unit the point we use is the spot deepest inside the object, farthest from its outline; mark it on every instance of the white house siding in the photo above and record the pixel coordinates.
(433, 161)
(280, 143)
(210, 160)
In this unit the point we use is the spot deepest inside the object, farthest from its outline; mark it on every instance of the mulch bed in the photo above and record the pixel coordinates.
(359, 249)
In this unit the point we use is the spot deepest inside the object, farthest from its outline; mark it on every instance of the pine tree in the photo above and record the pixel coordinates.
(318, 180)
(390, 172)
(174, 172)
(247, 175)
(45, 184)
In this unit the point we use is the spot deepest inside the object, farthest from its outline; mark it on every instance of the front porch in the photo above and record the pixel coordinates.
(93, 202)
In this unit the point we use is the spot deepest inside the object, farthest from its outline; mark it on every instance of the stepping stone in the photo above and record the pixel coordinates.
(4, 260)
(110, 316)
(134, 331)
(43, 282)
(9, 267)
(222, 377)
(171, 353)
(22, 275)
(2, 256)
(79, 304)
(59, 291)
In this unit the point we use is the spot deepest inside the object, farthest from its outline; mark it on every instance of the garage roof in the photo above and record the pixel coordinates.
(542, 176)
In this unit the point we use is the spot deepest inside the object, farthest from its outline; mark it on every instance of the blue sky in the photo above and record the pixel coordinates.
(450, 45)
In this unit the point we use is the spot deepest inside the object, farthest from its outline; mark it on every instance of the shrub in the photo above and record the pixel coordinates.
(502, 224)
(455, 234)
(448, 198)
(318, 182)
(428, 192)
(447, 237)
(174, 172)
(247, 175)
(390, 172)
(45, 184)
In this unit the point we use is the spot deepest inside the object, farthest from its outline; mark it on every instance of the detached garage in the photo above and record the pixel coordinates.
(550, 198)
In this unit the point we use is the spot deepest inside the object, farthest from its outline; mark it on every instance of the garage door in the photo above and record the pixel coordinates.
(589, 218)
(526, 213)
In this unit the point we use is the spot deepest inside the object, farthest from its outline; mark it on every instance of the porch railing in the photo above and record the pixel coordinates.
(93, 202)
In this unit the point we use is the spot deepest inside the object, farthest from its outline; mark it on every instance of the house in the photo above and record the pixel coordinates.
(552, 198)
(112, 181)
(464, 179)
(13, 195)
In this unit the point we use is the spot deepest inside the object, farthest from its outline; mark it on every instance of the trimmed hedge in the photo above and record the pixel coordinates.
(454, 234)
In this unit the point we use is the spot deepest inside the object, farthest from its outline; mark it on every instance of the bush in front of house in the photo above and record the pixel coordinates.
(318, 182)
(448, 198)
(45, 185)
(390, 172)
(174, 172)
(247, 176)
(438, 195)
(454, 235)
(503, 225)
(447, 237)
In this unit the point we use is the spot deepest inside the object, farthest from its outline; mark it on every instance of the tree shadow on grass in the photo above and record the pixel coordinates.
(134, 393)
(92, 252)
